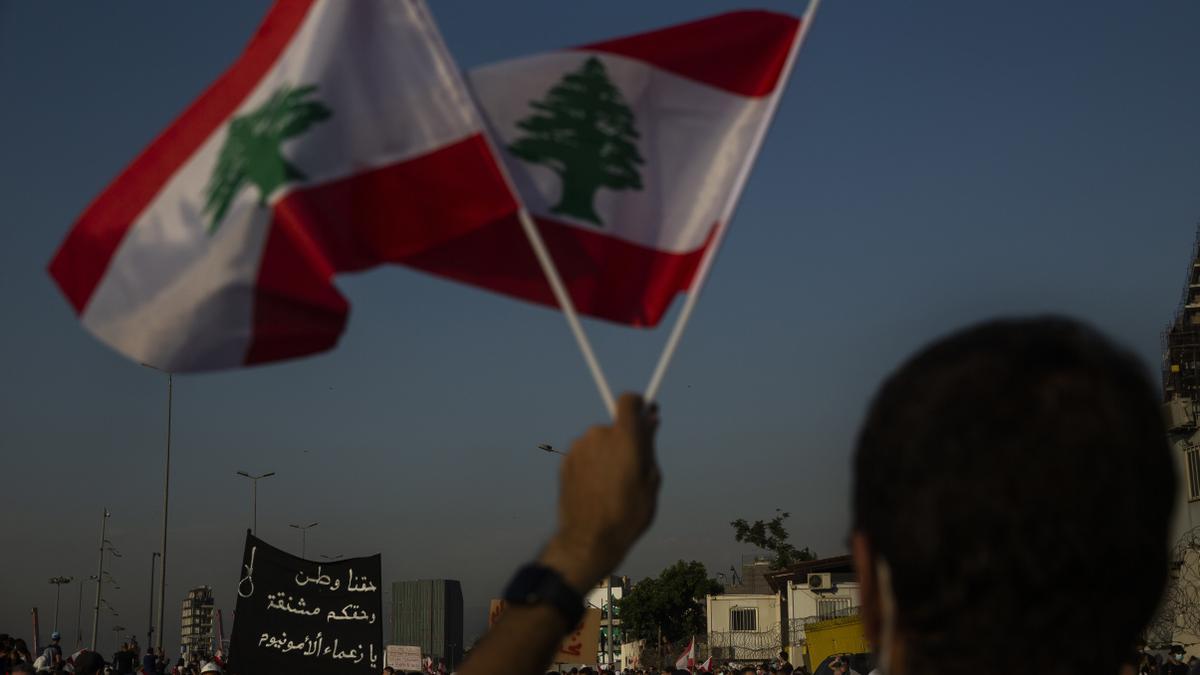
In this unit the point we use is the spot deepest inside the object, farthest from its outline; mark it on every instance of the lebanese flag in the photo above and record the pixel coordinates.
(687, 660)
(341, 138)
(705, 667)
(629, 153)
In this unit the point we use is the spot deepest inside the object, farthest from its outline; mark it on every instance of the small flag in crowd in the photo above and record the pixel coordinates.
(687, 660)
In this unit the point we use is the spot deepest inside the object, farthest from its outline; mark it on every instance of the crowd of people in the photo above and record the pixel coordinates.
(16, 659)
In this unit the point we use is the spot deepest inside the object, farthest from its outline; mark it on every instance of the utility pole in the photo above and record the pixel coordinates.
(99, 578)
(37, 646)
(609, 642)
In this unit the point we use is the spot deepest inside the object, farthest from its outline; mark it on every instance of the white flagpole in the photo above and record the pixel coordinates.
(531, 232)
(706, 260)
(560, 293)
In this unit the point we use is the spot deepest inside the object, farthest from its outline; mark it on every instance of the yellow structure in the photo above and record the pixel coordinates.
(843, 635)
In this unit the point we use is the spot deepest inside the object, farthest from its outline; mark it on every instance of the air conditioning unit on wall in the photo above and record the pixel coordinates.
(820, 582)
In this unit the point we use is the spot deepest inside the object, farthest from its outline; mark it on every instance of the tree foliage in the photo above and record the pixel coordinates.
(771, 535)
(672, 601)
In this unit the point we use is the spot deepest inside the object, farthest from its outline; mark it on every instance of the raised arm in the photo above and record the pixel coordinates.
(608, 491)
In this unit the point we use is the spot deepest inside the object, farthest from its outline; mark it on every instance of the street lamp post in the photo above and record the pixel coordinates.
(150, 613)
(303, 534)
(162, 579)
(116, 630)
(254, 497)
(58, 583)
(79, 619)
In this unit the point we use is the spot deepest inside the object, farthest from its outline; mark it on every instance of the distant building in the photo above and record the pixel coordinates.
(767, 610)
(428, 613)
(1181, 396)
(1177, 621)
(196, 623)
(743, 627)
(816, 590)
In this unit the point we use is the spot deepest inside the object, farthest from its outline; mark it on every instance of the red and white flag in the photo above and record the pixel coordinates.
(687, 660)
(343, 138)
(705, 667)
(629, 153)
(340, 139)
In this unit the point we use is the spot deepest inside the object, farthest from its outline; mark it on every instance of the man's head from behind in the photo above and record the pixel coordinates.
(1003, 477)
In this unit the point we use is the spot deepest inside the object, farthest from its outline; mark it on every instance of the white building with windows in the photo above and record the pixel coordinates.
(196, 622)
(743, 626)
(746, 627)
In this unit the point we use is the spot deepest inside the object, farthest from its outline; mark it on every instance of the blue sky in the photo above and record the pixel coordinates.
(931, 164)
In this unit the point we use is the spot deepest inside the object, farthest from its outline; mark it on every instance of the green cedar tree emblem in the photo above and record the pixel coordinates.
(251, 151)
(583, 130)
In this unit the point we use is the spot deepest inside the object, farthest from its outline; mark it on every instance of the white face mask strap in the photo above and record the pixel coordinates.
(887, 615)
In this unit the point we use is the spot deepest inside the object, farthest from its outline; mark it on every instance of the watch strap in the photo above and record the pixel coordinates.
(536, 584)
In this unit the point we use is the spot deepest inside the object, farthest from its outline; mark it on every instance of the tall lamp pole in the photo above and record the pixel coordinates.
(58, 583)
(150, 613)
(79, 619)
(162, 580)
(254, 497)
(303, 534)
(99, 578)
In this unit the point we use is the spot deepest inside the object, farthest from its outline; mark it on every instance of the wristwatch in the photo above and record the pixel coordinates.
(539, 585)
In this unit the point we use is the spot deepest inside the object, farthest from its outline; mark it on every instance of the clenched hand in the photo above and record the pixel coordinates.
(608, 494)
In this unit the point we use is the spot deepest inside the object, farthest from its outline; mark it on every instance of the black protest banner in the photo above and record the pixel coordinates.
(300, 617)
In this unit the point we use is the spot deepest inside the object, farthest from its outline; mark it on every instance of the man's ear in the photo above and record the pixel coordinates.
(868, 585)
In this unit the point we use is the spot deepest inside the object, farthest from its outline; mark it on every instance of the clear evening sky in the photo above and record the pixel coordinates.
(931, 164)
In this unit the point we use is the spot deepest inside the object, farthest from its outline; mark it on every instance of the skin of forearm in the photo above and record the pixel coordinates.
(522, 642)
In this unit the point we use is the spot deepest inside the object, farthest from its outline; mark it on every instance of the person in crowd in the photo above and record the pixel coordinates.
(6, 645)
(20, 652)
(841, 665)
(1174, 664)
(124, 661)
(53, 651)
(88, 663)
(997, 457)
(150, 663)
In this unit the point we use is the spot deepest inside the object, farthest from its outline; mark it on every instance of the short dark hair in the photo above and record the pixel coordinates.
(1008, 473)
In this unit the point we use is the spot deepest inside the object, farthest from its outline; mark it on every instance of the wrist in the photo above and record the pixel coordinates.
(579, 563)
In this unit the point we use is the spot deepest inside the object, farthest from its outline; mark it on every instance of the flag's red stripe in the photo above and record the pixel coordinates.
(607, 278)
(85, 254)
(388, 214)
(743, 52)
(416, 213)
